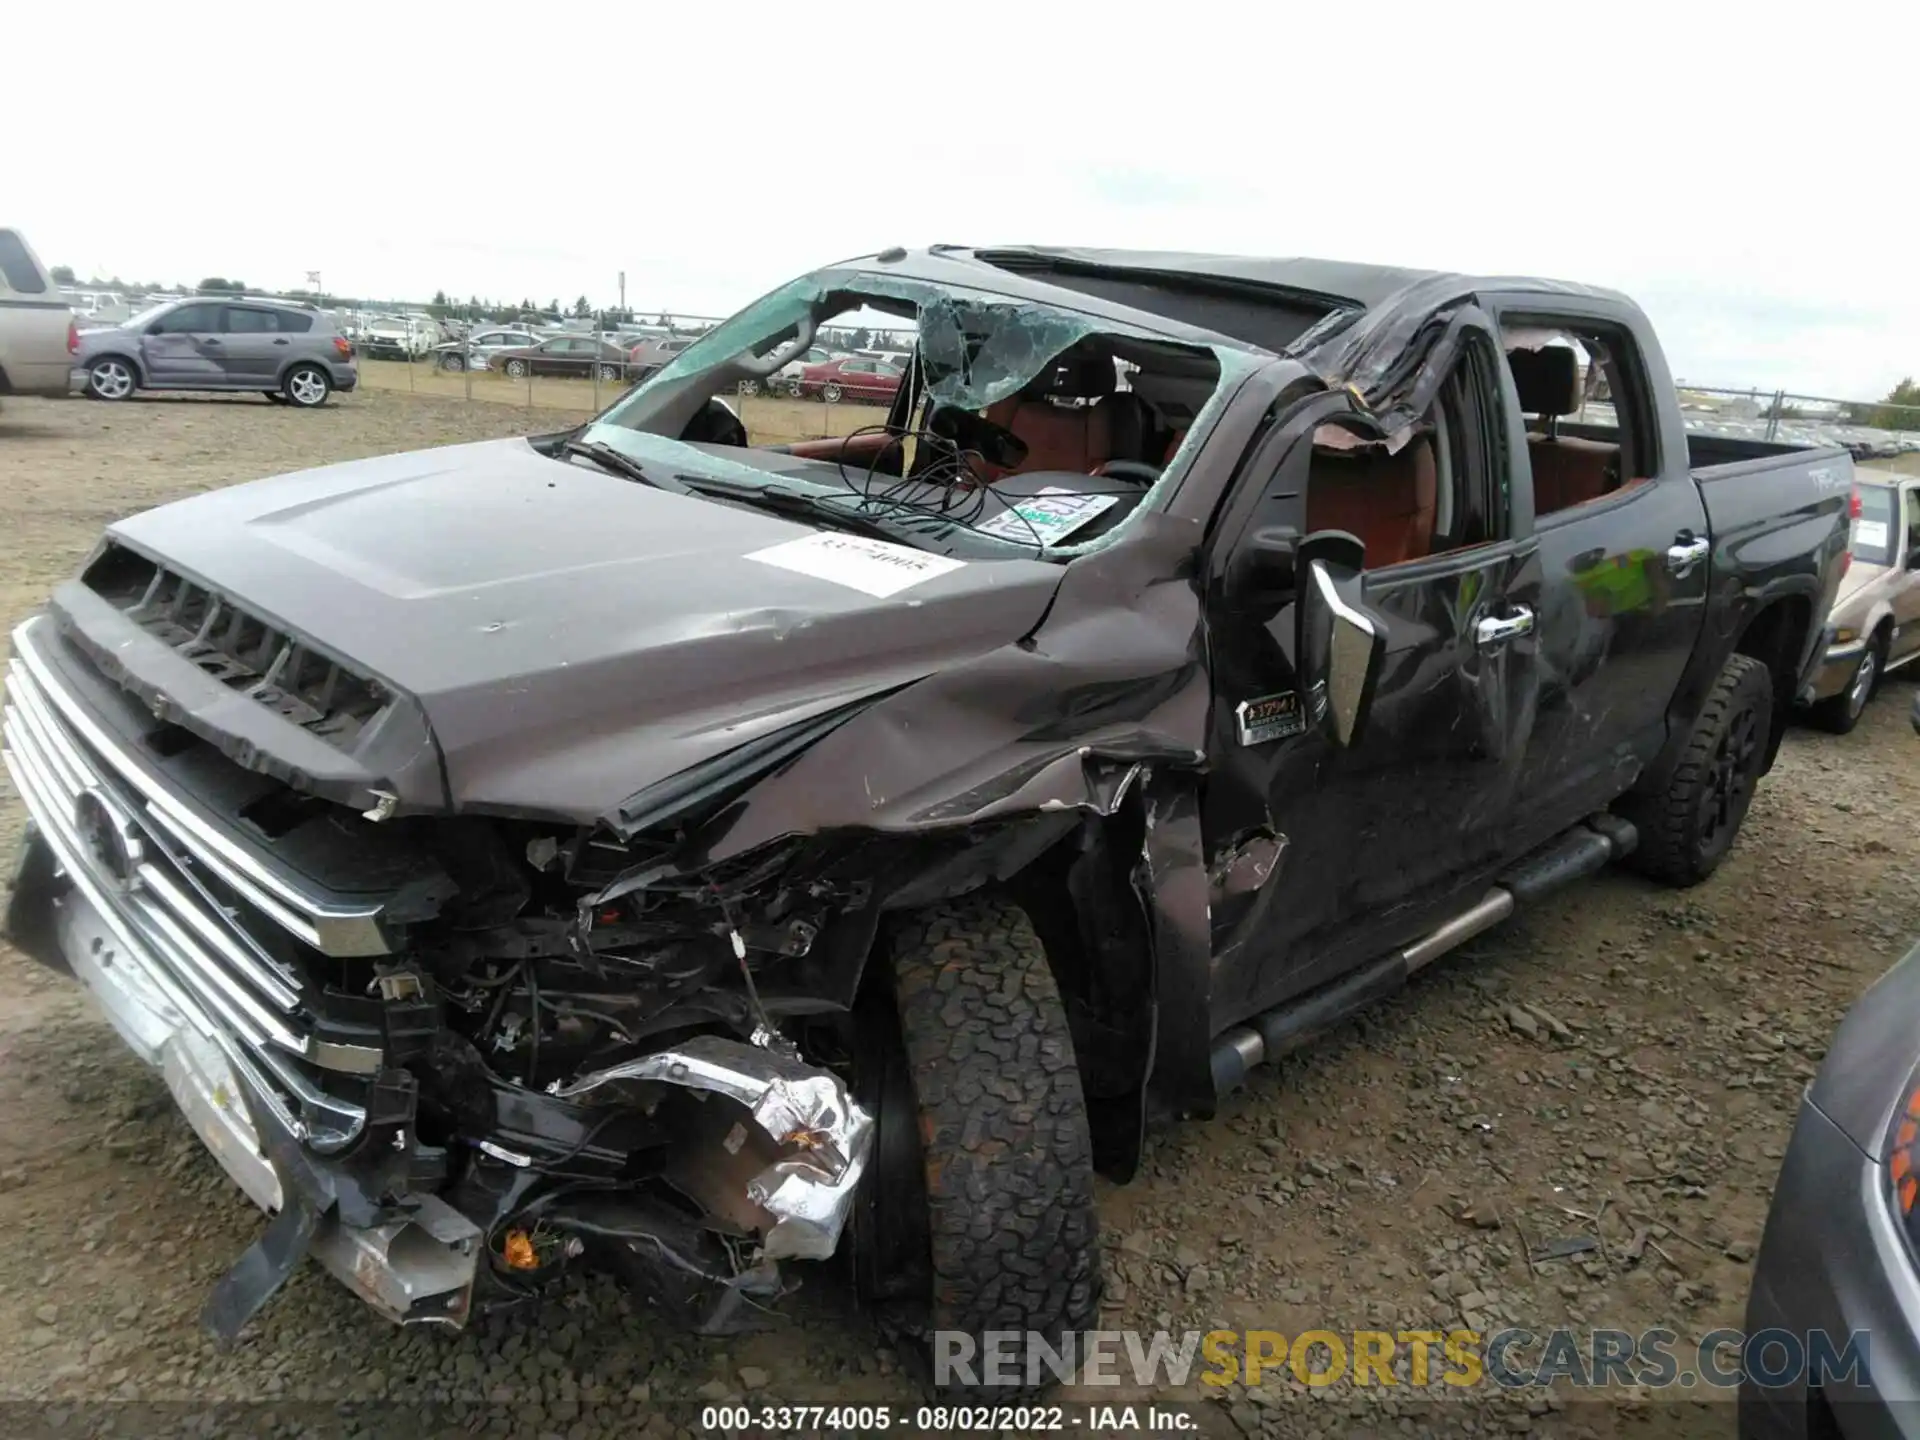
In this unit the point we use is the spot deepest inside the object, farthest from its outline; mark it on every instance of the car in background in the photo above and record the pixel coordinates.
(480, 346)
(288, 352)
(399, 337)
(652, 354)
(851, 377)
(786, 380)
(1838, 1273)
(37, 331)
(581, 356)
(1875, 623)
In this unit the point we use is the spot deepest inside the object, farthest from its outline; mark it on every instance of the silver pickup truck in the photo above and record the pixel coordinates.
(37, 332)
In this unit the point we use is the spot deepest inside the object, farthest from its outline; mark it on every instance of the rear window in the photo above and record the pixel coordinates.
(23, 276)
(1874, 537)
(292, 322)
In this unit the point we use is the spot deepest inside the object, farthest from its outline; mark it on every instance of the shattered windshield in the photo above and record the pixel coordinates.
(997, 426)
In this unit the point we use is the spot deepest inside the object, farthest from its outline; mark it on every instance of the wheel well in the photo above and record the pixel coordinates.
(6, 385)
(1777, 637)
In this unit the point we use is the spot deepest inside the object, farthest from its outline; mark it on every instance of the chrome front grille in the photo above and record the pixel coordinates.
(176, 894)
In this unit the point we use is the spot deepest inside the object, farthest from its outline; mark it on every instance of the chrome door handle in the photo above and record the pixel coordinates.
(1498, 629)
(1683, 555)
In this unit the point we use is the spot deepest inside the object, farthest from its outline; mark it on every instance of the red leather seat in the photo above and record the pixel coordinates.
(1385, 500)
(1567, 469)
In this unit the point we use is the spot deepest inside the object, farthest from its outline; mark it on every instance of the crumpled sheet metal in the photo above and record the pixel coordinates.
(1381, 355)
(809, 1194)
(1114, 677)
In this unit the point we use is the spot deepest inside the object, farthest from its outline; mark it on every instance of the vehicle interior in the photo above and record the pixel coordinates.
(1426, 490)
(1429, 489)
(1582, 447)
(1102, 417)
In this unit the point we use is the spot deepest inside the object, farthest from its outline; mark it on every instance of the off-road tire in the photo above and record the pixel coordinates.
(1840, 713)
(1003, 1123)
(1678, 844)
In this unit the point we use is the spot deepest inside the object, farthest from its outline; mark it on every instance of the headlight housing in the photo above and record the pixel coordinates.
(1903, 1157)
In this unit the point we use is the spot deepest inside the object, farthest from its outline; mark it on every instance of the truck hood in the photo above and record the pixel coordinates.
(572, 637)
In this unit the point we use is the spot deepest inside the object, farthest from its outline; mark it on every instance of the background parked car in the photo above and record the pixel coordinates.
(477, 349)
(649, 355)
(850, 377)
(786, 380)
(1875, 623)
(577, 355)
(399, 337)
(37, 332)
(285, 351)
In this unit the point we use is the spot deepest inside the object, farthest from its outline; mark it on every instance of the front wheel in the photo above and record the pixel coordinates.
(307, 386)
(517, 369)
(748, 387)
(609, 372)
(1840, 713)
(1687, 829)
(110, 378)
(977, 1210)
(831, 393)
(453, 363)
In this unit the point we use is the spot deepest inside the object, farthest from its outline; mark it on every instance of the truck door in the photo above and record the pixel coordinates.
(1323, 854)
(183, 348)
(1623, 545)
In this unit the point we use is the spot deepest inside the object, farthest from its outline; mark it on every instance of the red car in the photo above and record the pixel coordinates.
(851, 377)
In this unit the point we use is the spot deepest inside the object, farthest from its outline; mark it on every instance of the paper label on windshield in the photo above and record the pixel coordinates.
(872, 567)
(1053, 514)
(1871, 534)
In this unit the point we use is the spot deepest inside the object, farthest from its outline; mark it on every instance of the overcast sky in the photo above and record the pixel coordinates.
(1744, 177)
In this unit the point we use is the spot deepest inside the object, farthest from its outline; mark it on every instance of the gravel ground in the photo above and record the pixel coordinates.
(1620, 1051)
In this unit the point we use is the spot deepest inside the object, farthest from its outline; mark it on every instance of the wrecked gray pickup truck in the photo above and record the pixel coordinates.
(644, 849)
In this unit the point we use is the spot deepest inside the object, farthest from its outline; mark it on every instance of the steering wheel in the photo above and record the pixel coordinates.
(765, 365)
(1138, 470)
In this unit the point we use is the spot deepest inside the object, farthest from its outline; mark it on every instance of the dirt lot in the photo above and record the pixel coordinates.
(1620, 1051)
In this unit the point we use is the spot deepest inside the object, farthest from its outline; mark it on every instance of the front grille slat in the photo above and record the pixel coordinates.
(236, 647)
(166, 905)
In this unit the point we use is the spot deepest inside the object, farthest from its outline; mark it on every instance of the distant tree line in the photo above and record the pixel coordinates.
(1900, 410)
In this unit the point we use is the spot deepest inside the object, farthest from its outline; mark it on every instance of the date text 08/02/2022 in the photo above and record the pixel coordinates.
(931, 1419)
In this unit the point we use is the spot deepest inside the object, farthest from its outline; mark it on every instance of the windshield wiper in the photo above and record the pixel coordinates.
(789, 502)
(608, 458)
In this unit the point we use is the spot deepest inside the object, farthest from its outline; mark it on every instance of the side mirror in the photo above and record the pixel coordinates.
(1260, 574)
(1339, 645)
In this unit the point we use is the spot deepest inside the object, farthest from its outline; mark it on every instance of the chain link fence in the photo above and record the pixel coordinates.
(578, 364)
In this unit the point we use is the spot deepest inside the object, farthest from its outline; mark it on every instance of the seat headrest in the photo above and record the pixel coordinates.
(1076, 375)
(1547, 379)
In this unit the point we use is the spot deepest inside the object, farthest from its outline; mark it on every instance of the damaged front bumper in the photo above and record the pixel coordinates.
(415, 1258)
(119, 883)
(414, 1261)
